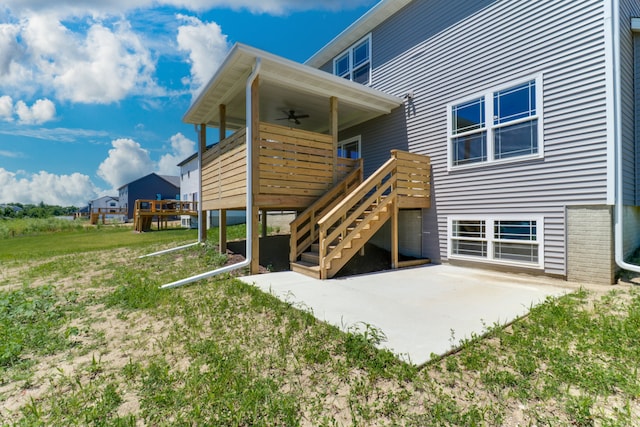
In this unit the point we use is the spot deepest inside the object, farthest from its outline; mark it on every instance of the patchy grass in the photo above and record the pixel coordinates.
(82, 240)
(87, 338)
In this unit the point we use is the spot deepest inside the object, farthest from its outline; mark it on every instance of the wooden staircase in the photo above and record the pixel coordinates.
(354, 215)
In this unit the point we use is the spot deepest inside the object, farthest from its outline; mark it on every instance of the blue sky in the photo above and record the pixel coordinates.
(92, 92)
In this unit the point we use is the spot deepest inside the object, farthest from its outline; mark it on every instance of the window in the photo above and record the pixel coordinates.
(469, 238)
(507, 241)
(355, 63)
(349, 148)
(498, 125)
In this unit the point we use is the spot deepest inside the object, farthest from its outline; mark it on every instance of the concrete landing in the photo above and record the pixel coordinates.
(422, 311)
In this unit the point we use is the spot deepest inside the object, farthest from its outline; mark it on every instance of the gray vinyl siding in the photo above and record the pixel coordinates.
(636, 51)
(497, 43)
(628, 10)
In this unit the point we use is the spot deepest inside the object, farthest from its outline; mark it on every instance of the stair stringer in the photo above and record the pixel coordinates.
(347, 249)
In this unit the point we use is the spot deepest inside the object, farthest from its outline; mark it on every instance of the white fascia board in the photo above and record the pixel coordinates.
(365, 24)
(291, 73)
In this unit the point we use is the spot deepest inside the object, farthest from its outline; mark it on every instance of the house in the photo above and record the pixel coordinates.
(108, 204)
(107, 207)
(496, 133)
(189, 190)
(149, 187)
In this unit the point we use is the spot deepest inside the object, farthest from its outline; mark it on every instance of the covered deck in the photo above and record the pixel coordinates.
(278, 127)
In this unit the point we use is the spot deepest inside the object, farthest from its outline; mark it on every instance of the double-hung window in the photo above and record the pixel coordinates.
(500, 125)
(355, 63)
(505, 241)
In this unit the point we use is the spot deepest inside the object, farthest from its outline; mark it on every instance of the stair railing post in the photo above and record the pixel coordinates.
(323, 253)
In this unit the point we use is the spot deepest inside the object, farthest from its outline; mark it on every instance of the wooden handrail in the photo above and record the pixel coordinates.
(357, 195)
(305, 222)
(381, 190)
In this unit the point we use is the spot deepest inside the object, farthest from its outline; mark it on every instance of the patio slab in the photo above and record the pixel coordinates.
(422, 311)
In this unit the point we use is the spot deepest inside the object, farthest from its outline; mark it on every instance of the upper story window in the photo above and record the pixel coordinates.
(497, 125)
(355, 63)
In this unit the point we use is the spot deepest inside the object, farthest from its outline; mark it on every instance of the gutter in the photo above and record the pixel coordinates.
(617, 132)
(249, 229)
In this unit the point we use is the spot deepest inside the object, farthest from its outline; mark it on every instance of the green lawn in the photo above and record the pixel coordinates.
(87, 338)
(84, 240)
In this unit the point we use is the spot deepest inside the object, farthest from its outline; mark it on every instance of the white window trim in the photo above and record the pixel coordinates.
(350, 52)
(489, 126)
(357, 139)
(490, 239)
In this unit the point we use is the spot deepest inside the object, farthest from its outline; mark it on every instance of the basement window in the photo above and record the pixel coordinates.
(506, 241)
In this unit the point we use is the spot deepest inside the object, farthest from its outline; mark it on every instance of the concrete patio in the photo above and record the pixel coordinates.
(421, 311)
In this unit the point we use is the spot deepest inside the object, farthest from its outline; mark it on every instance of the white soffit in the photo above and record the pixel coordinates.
(228, 85)
(364, 25)
(635, 25)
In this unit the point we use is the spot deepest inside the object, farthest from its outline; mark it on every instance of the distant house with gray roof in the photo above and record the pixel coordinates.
(149, 187)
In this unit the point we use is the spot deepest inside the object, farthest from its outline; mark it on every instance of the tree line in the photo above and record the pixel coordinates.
(19, 210)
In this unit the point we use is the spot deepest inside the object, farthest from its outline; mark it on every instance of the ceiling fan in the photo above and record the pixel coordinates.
(293, 117)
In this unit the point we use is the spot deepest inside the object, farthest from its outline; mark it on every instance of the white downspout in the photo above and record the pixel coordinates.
(200, 218)
(617, 132)
(249, 202)
(179, 248)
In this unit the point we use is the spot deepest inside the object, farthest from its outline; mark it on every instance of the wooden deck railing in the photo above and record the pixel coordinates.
(304, 229)
(292, 168)
(224, 172)
(146, 210)
(97, 213)
(403, 181)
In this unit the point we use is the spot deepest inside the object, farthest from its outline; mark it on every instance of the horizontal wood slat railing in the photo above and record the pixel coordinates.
(294, 162)
(304, 229)
(224, 170)
(293, 168)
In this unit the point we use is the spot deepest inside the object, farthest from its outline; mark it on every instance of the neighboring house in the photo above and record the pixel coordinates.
(149, 187)
(189, 187)
(527, 111)
(189, 190)
(107, 207)
(104, 203)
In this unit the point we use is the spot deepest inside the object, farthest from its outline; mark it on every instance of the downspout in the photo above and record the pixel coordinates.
(249, 202)
(617, 135)
(179, 248)
(200, 219)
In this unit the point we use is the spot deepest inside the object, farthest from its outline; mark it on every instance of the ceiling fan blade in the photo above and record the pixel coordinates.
(302, 116)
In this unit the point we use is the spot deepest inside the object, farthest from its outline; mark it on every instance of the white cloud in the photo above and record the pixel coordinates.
(126, 162)
(11, 154)
(206, 45)
(103, 63)
(64, 190)
(42, 111)
(9, 48)
(71, 8)
(181, 148)
(58, 134)
(6, 108)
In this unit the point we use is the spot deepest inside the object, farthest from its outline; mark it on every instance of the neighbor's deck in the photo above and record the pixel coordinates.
(162, 210)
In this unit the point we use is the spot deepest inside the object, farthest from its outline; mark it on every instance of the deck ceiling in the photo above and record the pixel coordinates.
(285, 85)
